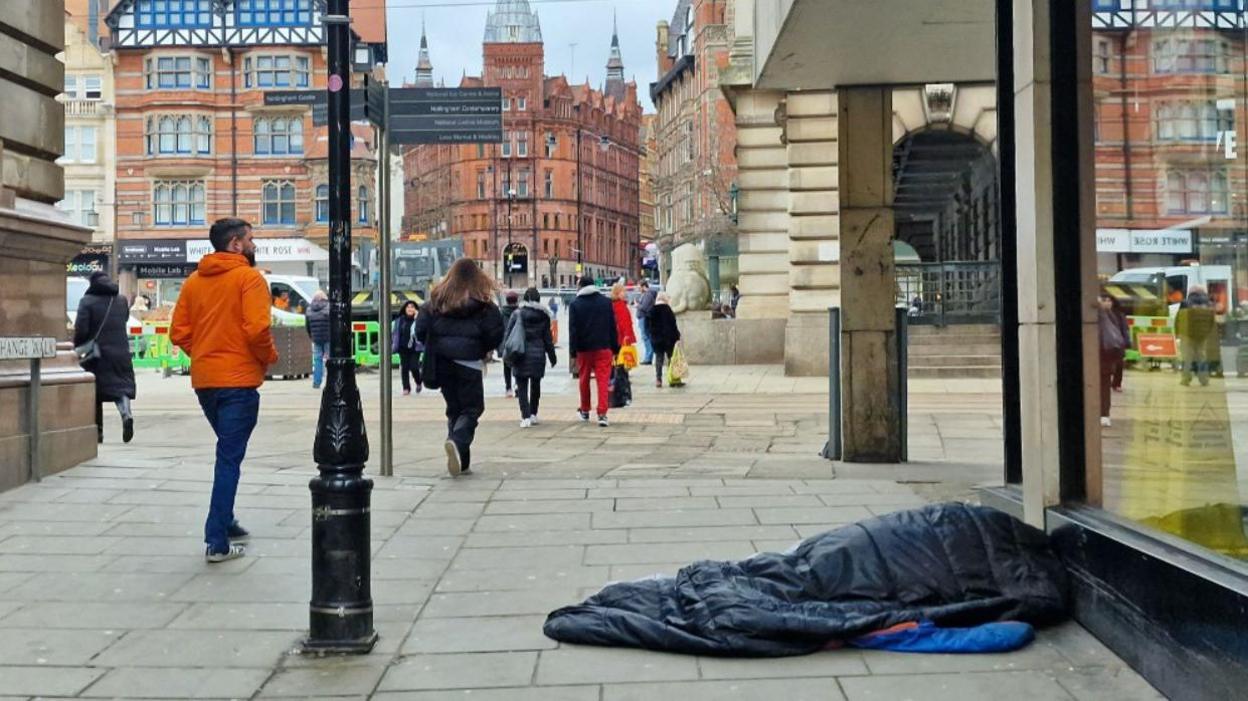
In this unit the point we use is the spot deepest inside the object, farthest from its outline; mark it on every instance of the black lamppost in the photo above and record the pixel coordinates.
(341, 610)
(511, 198)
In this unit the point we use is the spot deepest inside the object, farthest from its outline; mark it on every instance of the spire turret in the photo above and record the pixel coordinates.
(513, 22)
(615, 64)
(424, 67)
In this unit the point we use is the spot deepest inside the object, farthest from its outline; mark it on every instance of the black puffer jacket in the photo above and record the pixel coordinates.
(114, 371)
(591, 323)
(468, 332)
(662, 328)
(317, 319)
(539, 347)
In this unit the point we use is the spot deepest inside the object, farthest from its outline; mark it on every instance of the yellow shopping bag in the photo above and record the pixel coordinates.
(627, 357)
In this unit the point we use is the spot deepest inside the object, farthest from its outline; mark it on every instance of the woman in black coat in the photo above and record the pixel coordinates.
(663, 334)
(102, 316)
(539, 347)
(459, 327)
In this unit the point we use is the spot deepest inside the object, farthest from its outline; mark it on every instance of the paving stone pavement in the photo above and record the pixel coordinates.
(104, 592)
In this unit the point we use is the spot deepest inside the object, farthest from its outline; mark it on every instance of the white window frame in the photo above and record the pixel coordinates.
(78, 147)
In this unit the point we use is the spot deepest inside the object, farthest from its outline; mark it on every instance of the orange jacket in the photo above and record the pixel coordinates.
(222, 321)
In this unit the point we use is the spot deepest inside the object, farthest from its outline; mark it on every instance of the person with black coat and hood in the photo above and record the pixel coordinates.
(664, 333)
(594, 343)
(511, 302)
(316, 321)
(539, 347)
(460, 327)
(102, 317)
(403, 341)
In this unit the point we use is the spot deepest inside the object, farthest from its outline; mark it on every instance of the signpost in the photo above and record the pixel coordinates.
(446, 115)
(34, 349)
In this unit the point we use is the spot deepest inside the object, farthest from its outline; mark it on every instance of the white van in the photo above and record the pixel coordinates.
(300, 287)
(1178, 279)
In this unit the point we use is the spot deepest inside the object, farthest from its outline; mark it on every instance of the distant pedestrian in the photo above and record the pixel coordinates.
(1195, 324)
(1114, 340)
(594, 344)
(645, 303)
(539, 347)
(460, 327)
(403, 341)
(101, 321)
(316, 321)
(663, 335)
(553, 305)
(734, 300)
(511, 303)
(623, 317)
(222, 322)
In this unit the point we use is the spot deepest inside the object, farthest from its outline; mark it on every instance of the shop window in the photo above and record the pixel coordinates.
(273, 13)
(173, 14)
(322, 203)
(278, 136)
(179, 203)
(178, 72)
(278, 203)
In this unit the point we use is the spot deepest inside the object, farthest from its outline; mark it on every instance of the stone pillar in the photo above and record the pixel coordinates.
(869, 335)
(762, 208)
(810, 131)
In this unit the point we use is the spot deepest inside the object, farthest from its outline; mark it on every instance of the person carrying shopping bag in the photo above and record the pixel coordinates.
(664, 334)
(529, 367)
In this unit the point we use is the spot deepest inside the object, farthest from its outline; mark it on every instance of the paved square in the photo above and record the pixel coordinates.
(104, 592)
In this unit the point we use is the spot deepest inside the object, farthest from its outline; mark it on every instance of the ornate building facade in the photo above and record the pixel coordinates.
(695, 132)
(196, 141)
(560, 194)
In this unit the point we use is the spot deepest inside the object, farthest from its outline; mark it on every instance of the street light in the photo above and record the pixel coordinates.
(511, 197)
(341, 610)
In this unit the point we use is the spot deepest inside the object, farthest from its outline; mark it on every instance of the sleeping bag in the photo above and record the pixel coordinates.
(955, 565)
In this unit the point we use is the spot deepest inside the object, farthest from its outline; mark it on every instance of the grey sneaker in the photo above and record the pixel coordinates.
(234, 552)
(602, 421)
(454, 462)
(584, 415)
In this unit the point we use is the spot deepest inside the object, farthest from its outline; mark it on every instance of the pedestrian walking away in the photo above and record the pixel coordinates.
(1114, 340)
(539, 348)
(316, 321)
(663, 334)
(593, 344)
(403, 341)
(645, 304)
(222, 322)
(100, 330)
(460, 327)
(1196, 326)
(509, 307)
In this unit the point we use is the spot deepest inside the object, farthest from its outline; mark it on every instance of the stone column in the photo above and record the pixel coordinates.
(810, 131)
(869, 335)
(762, 208)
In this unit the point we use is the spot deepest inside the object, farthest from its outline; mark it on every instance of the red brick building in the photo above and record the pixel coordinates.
(695, 131)
(516, 204)
(195, 141)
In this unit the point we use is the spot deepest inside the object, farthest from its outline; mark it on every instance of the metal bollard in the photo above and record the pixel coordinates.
(903, 383)
(833, 449)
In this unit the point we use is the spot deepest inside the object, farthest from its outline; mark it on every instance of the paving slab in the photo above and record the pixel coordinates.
(480, 634)
(1032, 686)
(574, 664)
(178, 683)
(46, 680)
(460, 671)
(310, 682)
(825, 689)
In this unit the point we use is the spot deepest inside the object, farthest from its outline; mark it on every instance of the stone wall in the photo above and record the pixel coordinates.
(36, 243)
(710, 341)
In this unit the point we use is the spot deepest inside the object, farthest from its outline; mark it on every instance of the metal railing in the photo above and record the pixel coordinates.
(957, 292)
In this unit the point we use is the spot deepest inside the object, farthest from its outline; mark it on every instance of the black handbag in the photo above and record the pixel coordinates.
(89, 352)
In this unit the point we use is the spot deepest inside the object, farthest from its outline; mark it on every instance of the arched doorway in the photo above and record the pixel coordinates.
(945, 202)
(516, 265)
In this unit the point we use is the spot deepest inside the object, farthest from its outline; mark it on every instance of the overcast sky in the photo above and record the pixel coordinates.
(456, 28)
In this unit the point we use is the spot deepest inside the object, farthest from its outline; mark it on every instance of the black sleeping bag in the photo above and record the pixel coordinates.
(953, 564)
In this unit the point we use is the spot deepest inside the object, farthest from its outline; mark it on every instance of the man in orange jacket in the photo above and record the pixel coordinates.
(222, 322)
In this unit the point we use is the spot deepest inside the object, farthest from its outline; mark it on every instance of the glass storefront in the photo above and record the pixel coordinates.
(1171, 163)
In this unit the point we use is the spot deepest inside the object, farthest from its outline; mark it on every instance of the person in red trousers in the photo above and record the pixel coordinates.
(593, 344)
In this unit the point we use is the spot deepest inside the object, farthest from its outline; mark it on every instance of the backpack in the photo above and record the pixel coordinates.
(513, 342)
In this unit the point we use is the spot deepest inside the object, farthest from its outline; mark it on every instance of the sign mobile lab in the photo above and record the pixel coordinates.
(159, 267)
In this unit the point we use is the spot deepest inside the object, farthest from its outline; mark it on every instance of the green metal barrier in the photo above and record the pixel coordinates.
(368, 342)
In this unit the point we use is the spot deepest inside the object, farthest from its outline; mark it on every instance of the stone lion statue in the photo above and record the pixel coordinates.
(688, 286)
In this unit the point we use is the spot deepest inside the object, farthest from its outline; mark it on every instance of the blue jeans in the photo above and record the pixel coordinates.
(647, 351)
(232, 413)
(320, 351)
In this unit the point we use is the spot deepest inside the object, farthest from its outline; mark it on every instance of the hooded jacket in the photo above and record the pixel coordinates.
(591, 323)
(663, 330)
(317, 320)
(468, 332)
(623, 323)
(114, 370)
(222, 321)
(539, 346)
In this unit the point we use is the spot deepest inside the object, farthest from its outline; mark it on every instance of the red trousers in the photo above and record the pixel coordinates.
(599, 364)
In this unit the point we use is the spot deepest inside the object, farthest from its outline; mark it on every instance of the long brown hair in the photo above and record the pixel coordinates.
(463, 282)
